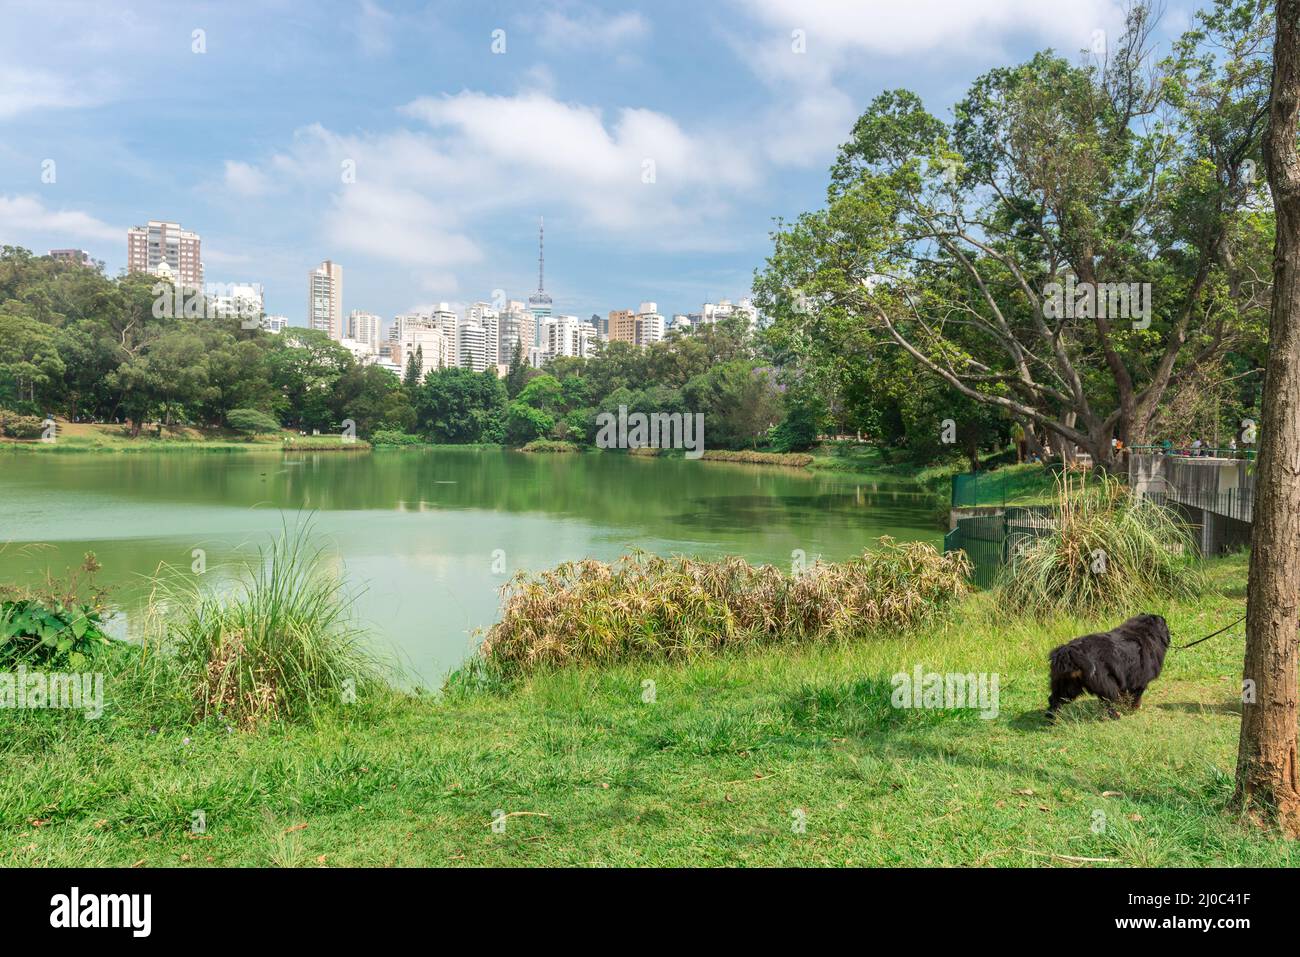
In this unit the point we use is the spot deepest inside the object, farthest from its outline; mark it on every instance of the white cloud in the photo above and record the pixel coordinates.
(23, 217)
(424, 197)
(25, 90)
(374, 25)
(245, 179)
(922, 26)
(399, 225)
(534, 147)
(588, 29)
(811, 115)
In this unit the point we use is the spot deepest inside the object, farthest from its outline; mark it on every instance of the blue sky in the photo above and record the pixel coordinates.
(458, 149)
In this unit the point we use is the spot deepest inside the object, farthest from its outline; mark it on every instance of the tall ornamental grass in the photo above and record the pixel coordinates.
(1109, 552)
(647, 607)
(281, 643)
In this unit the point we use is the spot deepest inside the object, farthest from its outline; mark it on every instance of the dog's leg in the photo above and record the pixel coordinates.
(1137, 698)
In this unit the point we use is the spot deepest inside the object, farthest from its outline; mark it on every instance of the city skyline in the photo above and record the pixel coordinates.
(660, 141)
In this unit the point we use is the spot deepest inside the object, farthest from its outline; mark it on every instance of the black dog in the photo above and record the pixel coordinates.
(1114, 665)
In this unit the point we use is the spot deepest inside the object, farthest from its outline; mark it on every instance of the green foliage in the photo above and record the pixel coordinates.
(920, 291)
(525, 423)
(460, 406)
(390, 437)
(51, 636)
(551, 446)
(17, 426)
(741, 402)
(805, 411)
(56, 626)
(252, 421)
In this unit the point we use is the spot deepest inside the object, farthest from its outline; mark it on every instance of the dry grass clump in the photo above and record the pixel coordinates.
(647, 607)
(796, 460)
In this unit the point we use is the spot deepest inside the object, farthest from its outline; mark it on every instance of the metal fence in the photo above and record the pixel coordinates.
(978, 488)
(992, 541)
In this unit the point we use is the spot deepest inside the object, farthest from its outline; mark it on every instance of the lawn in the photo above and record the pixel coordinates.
(723, 767)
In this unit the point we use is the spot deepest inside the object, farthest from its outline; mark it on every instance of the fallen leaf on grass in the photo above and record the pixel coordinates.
(1111, 794)
(296, 827)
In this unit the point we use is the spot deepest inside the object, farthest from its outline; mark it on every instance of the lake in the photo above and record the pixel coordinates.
(426, 538)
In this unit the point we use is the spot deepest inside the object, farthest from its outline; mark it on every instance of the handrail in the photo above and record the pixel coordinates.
(1201, 453)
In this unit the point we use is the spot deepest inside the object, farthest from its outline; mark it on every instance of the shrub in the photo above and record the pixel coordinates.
(550, 445)
(646, 607)
(56, 626)
(525, 423)
(392, 437)
(1108, 551)
(251, 421)
(282, 643)
(17, 426)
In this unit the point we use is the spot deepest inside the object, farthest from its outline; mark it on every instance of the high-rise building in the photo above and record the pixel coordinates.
(517, 328)
(711, 312)
(239, 300)
(482, 313)
(325, 299)
(427, 342)
(78, 257)
(568, 336)
(650, 325)
(539, 303)
(365, 327)
(166, 250)
(275, 324)
(475, 352)
(622, 326)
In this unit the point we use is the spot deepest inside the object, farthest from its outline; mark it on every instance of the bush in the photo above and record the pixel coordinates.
(525, 423)
(391, 437)
(17, 426)
(281, 644)
(56, 627)
(550, 445)
(251, 421)
(1109, 552)
(645, 607)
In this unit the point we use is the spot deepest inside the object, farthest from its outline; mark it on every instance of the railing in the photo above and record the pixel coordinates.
(971, 489)
(1189, 452)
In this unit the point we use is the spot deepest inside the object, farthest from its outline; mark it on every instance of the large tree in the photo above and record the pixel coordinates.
(1266, 761)
(993, 251)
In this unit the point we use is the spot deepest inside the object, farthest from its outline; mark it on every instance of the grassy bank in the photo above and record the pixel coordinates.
(708, 773)
(73, 437)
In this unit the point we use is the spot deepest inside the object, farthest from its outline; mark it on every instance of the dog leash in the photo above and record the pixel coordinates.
(1213, 634)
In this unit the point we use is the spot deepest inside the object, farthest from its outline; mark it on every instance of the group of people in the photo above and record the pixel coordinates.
(1196, 448)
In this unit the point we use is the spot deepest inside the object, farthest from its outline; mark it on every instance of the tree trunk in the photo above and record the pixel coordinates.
(1266, 757)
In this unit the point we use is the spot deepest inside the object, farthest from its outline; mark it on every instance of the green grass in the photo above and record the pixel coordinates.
(708, 774)
(78, 437)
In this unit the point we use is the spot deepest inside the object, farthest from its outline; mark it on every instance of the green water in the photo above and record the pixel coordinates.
(425, 539)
